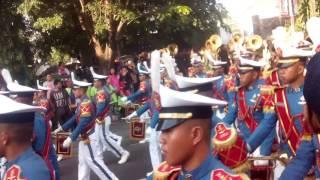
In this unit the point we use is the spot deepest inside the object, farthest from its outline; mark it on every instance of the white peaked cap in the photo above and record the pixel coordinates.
(95, 75)
(313, 28)
(6, 76)
(146, 66)
(214, 61)
(142, 68)
(185, 82)
(172, 98)
(249, 62)
(169, 65)
(4, 92)
(79, 83)
(155, 70)
(13, 86)
(296, 52)
(195, 59)
(9, 106)
(42, 87)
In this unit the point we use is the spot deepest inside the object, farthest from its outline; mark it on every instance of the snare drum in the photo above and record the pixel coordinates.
(230, 148)
(137, 129)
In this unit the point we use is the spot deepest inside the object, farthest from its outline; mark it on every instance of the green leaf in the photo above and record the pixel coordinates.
(46, 24)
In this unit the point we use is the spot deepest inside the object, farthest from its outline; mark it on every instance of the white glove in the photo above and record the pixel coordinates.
(67, 142)
(124, 99)
(57, 130)
(50, 124)
(127, 102)
(130, 116)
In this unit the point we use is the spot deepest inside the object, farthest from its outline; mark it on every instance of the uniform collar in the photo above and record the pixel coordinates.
(200, 171)
(295, 90)
(85, 97)
(27, 153)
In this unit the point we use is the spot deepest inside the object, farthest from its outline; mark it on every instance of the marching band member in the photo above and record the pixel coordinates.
(16, 127)
(223, 88)
(48, 151)
(146, 90)
(291, 65)
(90, 155)
(41, 141)
(249, 108)
(307, 155)
(103, 121)
(197, 66)
(185, 138)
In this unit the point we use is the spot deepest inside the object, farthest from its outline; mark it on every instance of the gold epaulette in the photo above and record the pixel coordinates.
(306, 137)
(165, 171)
(85, 108)
(101, 96)
(227, 77)
(267, 73)
(267, 90)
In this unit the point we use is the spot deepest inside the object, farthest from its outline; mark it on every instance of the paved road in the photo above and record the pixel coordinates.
(136, 167)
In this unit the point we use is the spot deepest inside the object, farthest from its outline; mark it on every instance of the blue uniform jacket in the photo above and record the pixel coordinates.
(40, 131)
(266, 127)
(305, 158)
(251, 97)
(28, 165)
(81, 120)
(150, 104)
(145, 90)
(221, 91)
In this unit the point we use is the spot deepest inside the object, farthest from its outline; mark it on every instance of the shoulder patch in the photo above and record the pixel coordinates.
(101, 96)
(14, 172)
(85, 108)
(165, 171)
(222, 174)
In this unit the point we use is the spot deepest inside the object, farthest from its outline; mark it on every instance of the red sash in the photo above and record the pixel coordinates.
(46, 149)
(103, 113)
(275, 78)
(247, 116)
(84, 134)
(286, 121)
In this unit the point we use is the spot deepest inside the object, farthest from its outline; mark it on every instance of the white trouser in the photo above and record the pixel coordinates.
(106, 142)
(89, 160)
(154, 148)
(145, 117)
(3, 161)
(278, 170)
(107, 122)
(279, 167)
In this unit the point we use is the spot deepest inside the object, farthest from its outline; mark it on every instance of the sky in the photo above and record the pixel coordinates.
(241, 11)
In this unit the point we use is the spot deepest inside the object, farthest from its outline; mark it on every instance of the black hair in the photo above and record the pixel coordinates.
(56, 81)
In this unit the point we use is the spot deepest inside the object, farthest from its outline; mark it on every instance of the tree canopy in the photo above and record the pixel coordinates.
(35, 32)
(105, 29)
